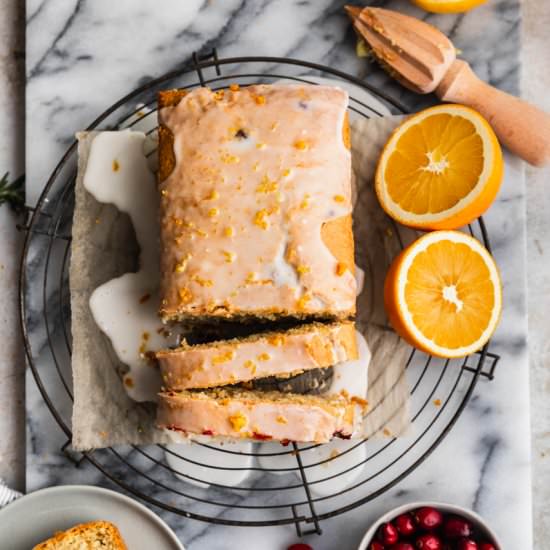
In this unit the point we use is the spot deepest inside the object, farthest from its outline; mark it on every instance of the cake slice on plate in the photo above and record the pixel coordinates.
(100, 535)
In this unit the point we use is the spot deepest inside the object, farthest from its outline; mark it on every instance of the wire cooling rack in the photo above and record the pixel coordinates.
(283, 490)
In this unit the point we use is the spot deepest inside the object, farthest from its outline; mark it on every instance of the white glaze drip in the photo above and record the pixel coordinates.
(352, 376)
(125, 308)
(281, 464)
(203, 455)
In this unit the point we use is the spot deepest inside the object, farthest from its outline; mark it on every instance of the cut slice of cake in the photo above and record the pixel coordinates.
(257, 415)
(255, 211)
(95, 535)
(280, 354)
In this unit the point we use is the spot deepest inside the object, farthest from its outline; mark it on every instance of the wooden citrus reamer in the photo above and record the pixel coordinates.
(423, 59)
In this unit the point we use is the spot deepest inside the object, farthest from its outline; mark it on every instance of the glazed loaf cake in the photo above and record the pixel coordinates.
(255, 190)
(256, 415)
(280, 354)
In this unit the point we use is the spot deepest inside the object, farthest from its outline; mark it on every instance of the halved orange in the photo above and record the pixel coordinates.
(440, 169)
(443, 294)
(448, 6)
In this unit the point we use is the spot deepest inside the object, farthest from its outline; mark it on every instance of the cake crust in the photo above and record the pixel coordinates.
(256, 206)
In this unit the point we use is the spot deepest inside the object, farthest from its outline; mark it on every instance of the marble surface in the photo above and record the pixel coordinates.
(535, 85)
(488, 454)
(12, 365)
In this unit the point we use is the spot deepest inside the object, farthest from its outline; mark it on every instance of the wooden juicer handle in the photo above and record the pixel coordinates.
(520, 126)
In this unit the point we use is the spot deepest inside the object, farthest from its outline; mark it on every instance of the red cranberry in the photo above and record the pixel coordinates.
(467, 544)
(404, 525)
(402, 546)
(455, 527)
(375, 545)
(487, 546)
(428, 518)
(387, 533)
(300, 546)
(428, 542)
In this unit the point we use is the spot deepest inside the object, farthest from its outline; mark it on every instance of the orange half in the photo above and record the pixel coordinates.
(440, 169)
(448, 6)
(443, 294)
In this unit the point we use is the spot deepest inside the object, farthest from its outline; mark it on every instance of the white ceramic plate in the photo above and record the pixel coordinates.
(37, 516)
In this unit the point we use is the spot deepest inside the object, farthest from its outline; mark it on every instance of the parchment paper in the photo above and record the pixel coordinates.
(104, 247)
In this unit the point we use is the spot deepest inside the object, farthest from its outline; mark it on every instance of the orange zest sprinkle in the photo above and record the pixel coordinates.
(229, 159)
(360, 401)
(182, 264)
(223, 358)
(238, 421)
(229, 256)
(303, 301)
(202, 282)
(250, 365)
(252, 279)
(267, 186)
(260, 219)
(185, 295)
(305, 203)
(276, 340)
(341, 268)
(301, 145)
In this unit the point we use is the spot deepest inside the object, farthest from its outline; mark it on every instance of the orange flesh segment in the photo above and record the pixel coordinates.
(456, 152)
(445, 322)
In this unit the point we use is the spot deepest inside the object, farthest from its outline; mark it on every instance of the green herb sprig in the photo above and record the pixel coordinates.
(13, 194)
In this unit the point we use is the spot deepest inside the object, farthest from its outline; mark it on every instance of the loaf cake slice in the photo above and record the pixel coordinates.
(255, 187)
(258, 415)
(280, 354)
(95, 535)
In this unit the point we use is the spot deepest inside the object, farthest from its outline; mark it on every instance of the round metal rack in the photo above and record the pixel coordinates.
(276, 492)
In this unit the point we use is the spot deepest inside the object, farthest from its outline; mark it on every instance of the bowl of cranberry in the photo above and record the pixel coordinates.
(430, 526)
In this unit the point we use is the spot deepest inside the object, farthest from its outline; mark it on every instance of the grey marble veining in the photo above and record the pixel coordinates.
(84, 55)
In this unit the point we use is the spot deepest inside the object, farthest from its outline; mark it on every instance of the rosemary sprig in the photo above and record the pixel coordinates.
(13, 193)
